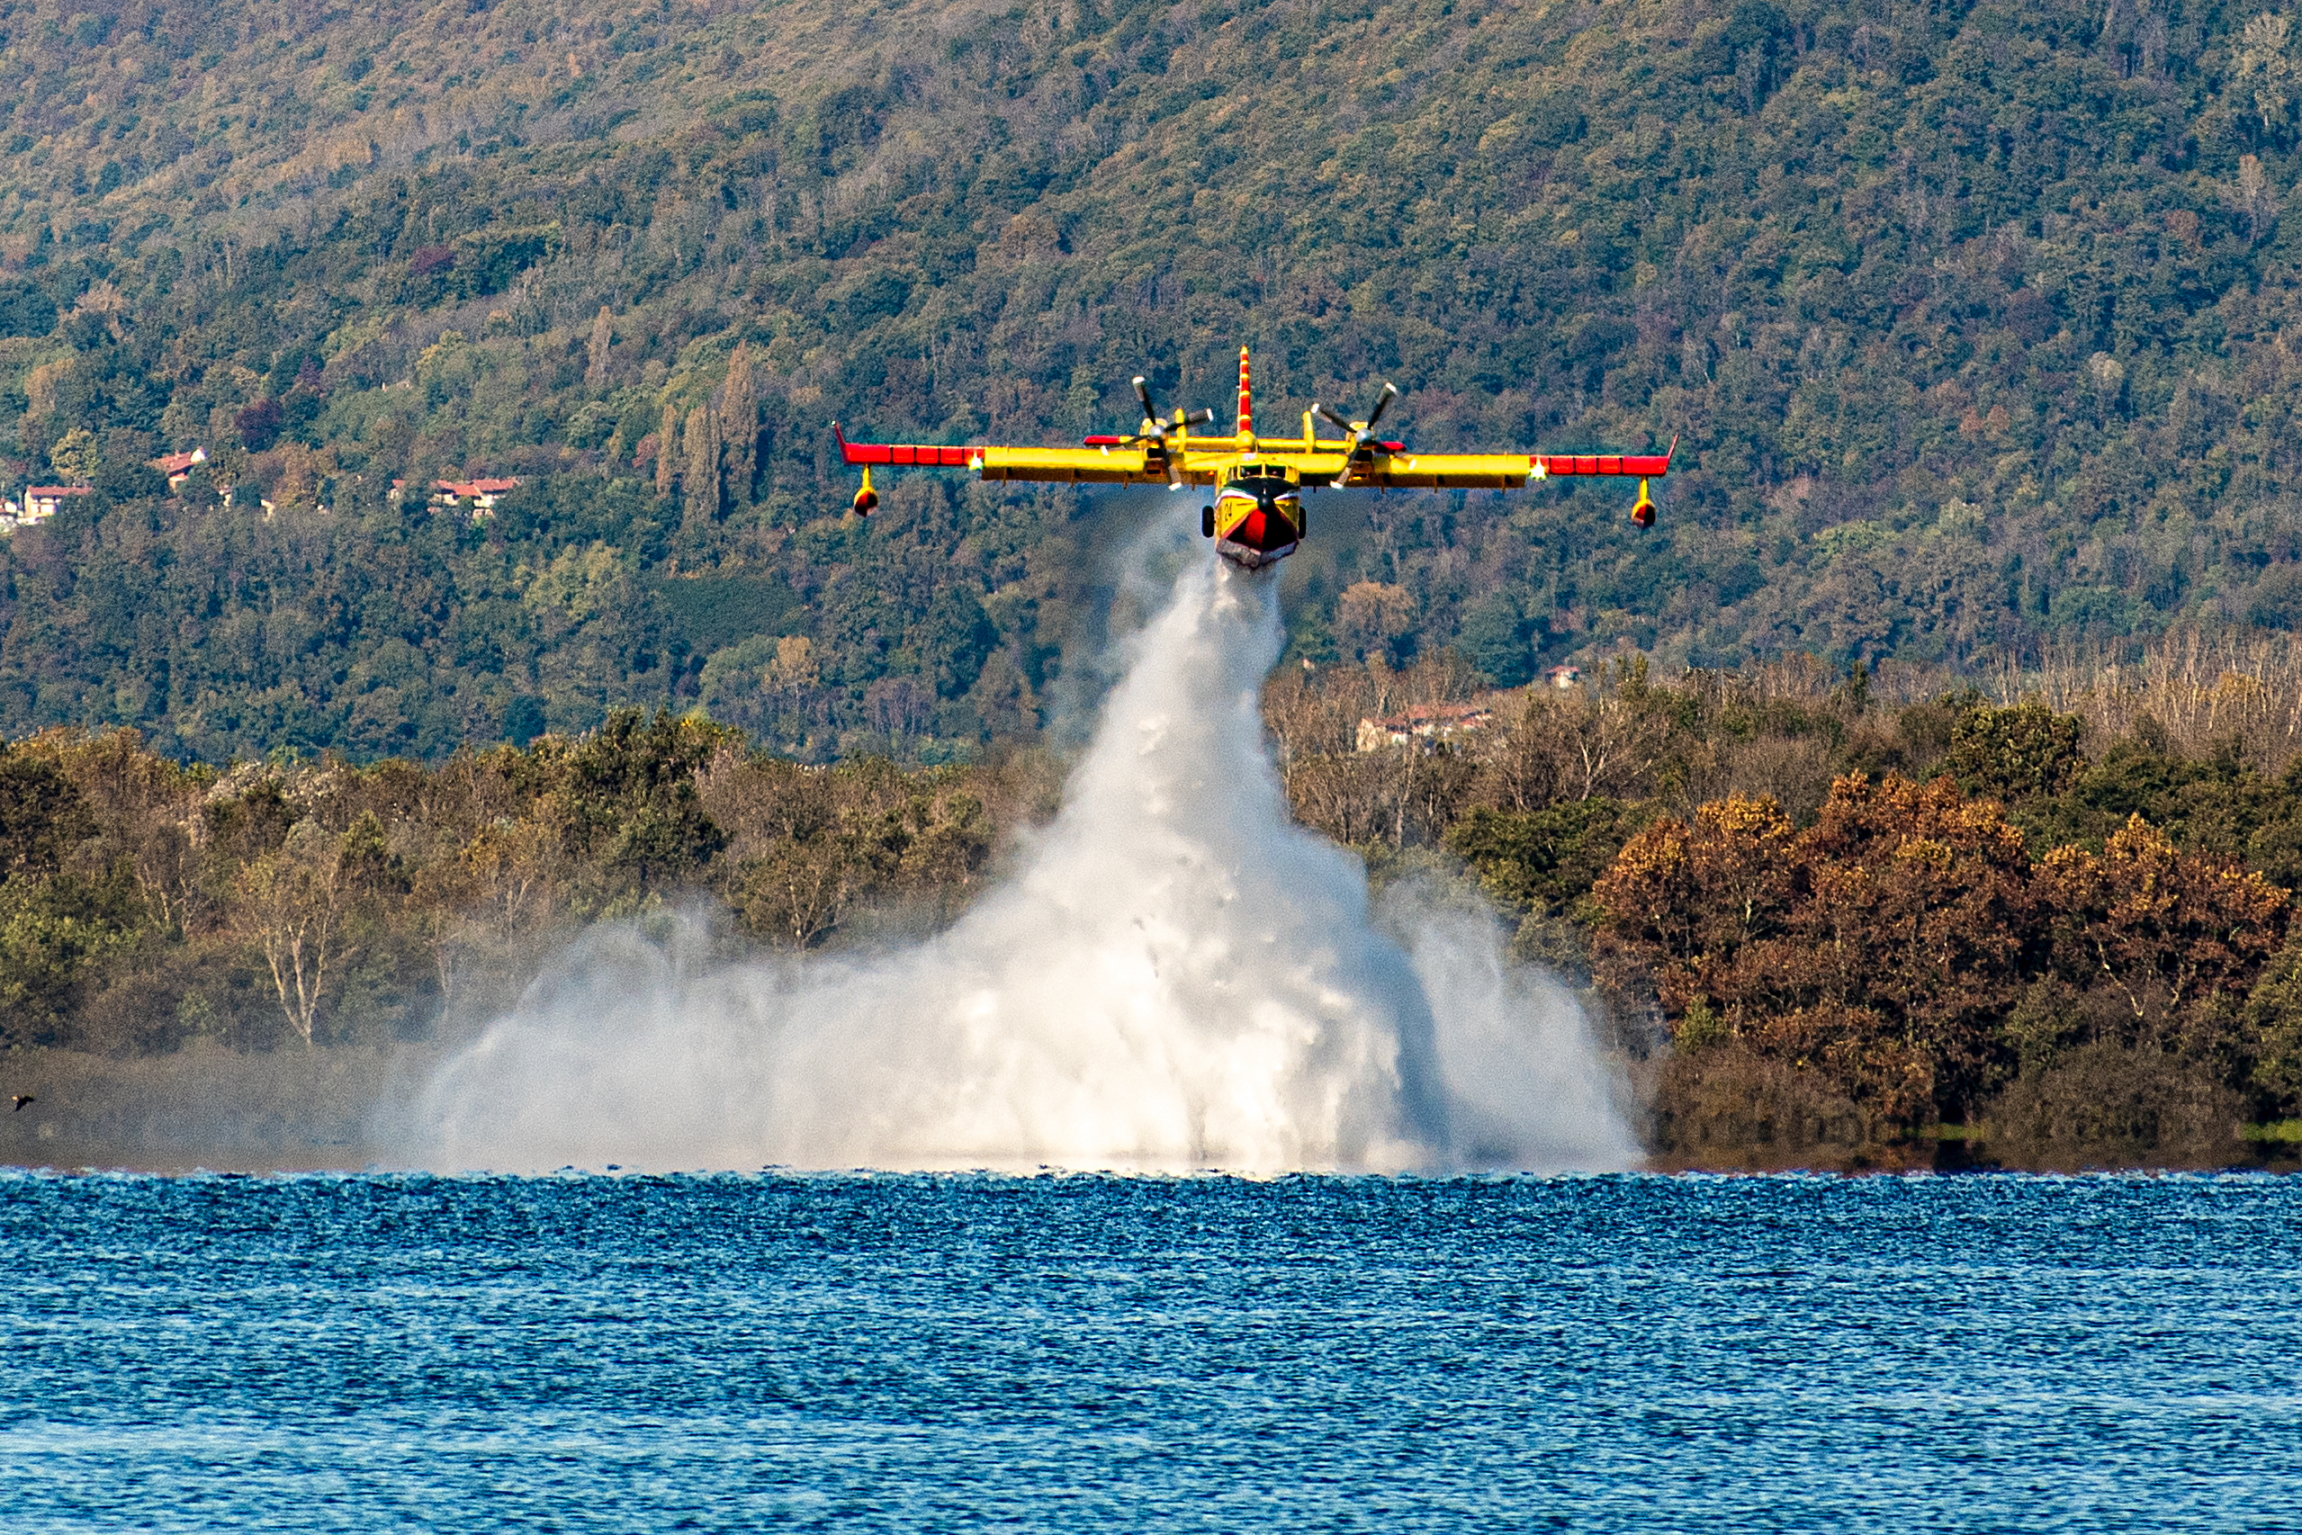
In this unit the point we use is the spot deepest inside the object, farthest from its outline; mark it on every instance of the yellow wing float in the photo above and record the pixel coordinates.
(1256, 516)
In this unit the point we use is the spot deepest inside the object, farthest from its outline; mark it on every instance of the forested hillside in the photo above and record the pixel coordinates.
(1975, 320)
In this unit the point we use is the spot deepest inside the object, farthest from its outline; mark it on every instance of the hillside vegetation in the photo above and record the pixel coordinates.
(1834, 911)
(145, 907)
(1974, 320)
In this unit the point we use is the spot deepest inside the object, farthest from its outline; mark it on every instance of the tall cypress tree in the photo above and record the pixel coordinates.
(701, 487)
(739, 424)
(595, 370)
(667, 449)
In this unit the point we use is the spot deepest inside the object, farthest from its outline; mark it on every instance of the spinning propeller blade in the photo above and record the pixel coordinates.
(1362, 432)
(1159, 429)
(1157, 433)
(1382, 403)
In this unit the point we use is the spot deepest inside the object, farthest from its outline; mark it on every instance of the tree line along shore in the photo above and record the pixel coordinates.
(1859, 920)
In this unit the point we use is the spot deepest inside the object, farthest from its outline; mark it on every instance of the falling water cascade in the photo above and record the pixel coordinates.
(1175, 977)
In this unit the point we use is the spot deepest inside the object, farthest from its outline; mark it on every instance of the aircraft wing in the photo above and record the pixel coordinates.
(1073, 466)
(1207, 460)
(1497, 471)
(1100, 465)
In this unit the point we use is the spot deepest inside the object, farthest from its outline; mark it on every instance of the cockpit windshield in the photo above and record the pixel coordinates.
(1262, 486)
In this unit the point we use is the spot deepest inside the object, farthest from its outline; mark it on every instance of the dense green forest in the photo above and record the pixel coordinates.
(1975, 322)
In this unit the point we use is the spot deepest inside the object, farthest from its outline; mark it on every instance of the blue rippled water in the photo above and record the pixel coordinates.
(1086, 1354)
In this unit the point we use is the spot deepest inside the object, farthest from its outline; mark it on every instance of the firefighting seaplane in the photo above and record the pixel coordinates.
(1256, 516)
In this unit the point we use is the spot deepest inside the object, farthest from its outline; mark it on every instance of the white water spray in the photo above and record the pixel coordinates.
(1178, 978)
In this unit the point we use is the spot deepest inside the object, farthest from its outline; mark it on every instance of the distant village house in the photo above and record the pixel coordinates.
(42, 502)
(178, 467)
(482, 494)
(1424, 726)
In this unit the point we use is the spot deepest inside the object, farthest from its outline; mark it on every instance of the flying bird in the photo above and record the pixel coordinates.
(22, 1099)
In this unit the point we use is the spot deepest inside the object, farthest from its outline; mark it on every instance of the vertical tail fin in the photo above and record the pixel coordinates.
(1246, 402)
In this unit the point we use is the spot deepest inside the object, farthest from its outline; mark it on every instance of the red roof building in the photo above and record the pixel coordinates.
(1424, 724)
(42, 502)
(178, 466)
(482, 494)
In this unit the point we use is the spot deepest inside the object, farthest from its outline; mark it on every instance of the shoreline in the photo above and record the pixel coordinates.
(209, 1109)
(205, 1108)
(194, 1165)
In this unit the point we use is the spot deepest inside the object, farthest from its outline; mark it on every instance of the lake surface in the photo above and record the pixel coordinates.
(1087, 1354)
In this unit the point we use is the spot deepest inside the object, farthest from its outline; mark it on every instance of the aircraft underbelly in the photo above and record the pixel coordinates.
(1251, 558)
(1257, 539)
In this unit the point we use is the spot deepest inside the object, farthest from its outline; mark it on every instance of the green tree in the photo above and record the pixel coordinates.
(628, 798)
(1494, 639)
(77, 456)
(43, 813)
(1543, 860)
(2273, 1017)
(53, 930)
(2019, 753)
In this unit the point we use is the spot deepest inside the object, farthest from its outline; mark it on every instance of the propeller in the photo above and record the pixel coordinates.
(1160, 429)
(1150, 411)
(1360, 432)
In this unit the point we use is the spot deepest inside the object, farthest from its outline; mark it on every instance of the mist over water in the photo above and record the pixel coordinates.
(1175, 977)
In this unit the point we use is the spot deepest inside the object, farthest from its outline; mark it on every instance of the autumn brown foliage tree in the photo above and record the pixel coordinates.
(1886, 943)
(1860, 904)
(2166, 931)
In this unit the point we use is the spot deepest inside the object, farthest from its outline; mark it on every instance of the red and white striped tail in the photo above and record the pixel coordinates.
(1246, 400)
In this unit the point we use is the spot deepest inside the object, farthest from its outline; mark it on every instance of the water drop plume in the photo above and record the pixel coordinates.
(1175, 977)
